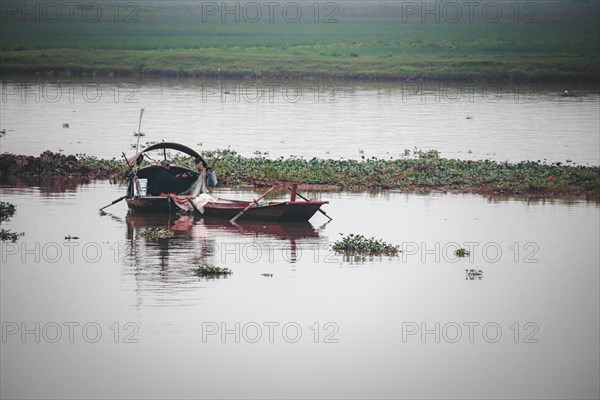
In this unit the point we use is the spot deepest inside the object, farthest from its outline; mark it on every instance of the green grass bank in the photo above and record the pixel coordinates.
(530, 41)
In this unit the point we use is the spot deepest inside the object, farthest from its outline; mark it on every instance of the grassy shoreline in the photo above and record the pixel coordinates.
(361, 41)
(200, 63)
(424, 173)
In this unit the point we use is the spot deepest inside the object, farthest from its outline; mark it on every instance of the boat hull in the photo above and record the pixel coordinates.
(225, 210)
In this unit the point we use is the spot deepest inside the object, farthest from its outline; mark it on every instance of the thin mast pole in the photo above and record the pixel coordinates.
(139, 132)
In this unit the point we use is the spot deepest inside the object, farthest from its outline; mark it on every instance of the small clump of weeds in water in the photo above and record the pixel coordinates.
(211, 271)
(7, 210)
(461, 252)
(358, 244)
(157, 233)
(6, 235)
(472, 274)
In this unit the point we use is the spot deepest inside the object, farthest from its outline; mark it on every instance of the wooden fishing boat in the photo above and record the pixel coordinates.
(148, 193)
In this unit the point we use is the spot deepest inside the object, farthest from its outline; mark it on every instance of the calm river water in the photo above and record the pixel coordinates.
(512, 122)
(121, 316)
(91, 309)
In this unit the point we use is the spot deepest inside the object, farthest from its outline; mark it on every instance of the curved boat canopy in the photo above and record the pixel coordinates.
(172, 146)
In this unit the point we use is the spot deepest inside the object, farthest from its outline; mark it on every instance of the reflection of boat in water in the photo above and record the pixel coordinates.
(286, 231)
(196, 236)
(164, 270)
(291, 230)
(156, 193)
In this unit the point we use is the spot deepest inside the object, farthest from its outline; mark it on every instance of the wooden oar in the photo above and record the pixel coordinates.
(130, 168)
(232, 220)
(305, 199)
(114, 202)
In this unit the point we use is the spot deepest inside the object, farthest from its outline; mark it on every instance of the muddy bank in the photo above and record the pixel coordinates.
(49, 165)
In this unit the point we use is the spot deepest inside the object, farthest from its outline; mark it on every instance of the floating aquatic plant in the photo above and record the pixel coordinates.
(7, 210)
(461, 252)
(472, 274)
(157, 233)
(6, 235)
(358, 244)
(424, 170)
(212, 271)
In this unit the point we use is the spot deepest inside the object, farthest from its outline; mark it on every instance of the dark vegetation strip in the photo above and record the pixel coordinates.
(425, 172)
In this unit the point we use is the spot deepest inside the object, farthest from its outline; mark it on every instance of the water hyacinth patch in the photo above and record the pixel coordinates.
(7, 210)
(358, 244)
(6, 235)
(424, 171)
(461, 252)
(212, 271)
(157, 233)
(473, 274)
